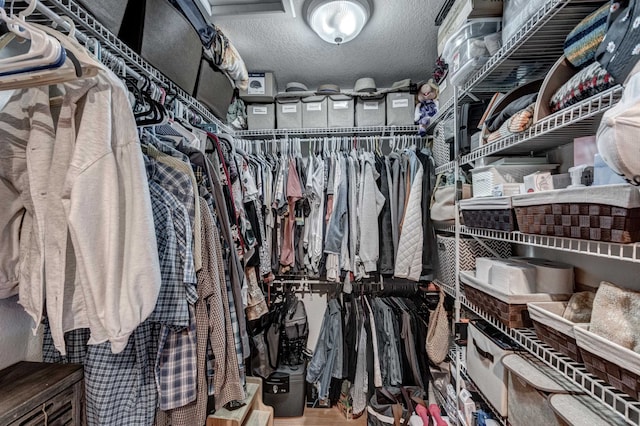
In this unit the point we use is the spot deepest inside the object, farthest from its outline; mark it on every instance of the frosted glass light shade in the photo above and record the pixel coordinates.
(338, 21)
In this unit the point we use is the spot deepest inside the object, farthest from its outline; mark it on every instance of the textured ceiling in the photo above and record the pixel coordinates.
(398, 42)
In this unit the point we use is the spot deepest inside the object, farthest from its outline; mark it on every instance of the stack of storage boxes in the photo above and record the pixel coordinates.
(260, 96)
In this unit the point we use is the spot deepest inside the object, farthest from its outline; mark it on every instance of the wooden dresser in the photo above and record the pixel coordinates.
(35, 393)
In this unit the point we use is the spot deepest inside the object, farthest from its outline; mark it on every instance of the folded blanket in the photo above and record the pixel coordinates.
(495, 121)
(590, 81)
(517, 123)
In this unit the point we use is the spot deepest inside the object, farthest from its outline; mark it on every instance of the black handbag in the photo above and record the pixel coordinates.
(619, 52)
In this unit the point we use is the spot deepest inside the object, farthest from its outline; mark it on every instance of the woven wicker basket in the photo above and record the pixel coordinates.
(609, 361)
(621, 379)
(559, 341)
(597, 222)
(513, 316)
(502, 220)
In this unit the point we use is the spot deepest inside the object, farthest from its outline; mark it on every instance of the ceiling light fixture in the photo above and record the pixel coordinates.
(338, 21)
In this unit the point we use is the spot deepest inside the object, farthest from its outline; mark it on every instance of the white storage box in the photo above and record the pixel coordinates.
(261, 88)
(516, 14)
(484, 179)
(466, 50)
(288, 113)
(370, 111)
(400, 109)
(341, 111)
(530, 384)
(314, 112)
(551, 276)
(485, 349)
(261, 116)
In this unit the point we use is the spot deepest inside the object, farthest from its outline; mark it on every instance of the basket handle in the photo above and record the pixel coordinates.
(484, 354)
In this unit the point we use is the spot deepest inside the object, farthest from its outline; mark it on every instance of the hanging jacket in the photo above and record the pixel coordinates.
(409, 257)
(384, 223)
(371, 202)
(324, 365)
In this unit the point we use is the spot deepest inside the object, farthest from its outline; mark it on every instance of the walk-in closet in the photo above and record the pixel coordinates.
(319, 212)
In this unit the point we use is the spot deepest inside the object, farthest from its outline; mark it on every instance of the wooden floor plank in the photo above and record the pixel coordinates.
(320, 417)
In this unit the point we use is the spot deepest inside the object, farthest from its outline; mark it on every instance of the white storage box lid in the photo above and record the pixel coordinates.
(539, 375)
(550, 314)
(624, 195)
(486, 203)
(584, 410)
(469, 278)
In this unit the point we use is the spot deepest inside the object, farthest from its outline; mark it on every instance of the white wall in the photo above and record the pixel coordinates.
(17, 342)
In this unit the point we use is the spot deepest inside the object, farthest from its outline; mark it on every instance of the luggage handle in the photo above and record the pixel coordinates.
(484, 354)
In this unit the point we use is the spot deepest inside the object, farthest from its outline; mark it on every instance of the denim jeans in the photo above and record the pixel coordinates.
(328, 350)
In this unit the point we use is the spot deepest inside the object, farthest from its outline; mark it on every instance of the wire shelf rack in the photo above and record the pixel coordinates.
(89, 26)
(557, 129)
(337, 131)
(619, 403)
(530, 53)
(446, 167)
(625, 252)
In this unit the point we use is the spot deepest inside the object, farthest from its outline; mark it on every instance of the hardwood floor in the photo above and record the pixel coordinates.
(321, 417)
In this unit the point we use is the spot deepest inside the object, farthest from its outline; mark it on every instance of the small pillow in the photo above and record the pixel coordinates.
(518, 123)
(579, 308)
(616, 315)
(496, 121)
(590, 81)
(581, 44)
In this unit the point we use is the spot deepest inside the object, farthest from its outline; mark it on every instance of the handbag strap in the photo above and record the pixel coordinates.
(409, 403)
(435, 188)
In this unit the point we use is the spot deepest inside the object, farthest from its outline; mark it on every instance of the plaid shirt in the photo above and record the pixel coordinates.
(179, 185)
(171, 307)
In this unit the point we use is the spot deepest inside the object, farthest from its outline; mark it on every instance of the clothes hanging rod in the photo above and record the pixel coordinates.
(118, 50)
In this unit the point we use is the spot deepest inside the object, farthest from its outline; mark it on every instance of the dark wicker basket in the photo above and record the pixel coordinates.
(502, 220)
(596, 222)
(559, 341)
(618, 377)
(513, 316)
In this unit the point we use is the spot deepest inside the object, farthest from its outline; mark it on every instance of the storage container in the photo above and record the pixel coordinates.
(463, 11)
(530, 385)
(261, 88)
(486, 346)
(109, 13)
(509, 309)
(466, 50)
(516, 14)
(340, 111)
(284, 390)
(615, 364)
(214, 89)
(261, 116)
(484, 179)
(288, 112)
(371, 111)
(314, 112)
(489, 213)
(443, 135)
(400, 109)
(469, 250)
(553, 329)
(608, 213)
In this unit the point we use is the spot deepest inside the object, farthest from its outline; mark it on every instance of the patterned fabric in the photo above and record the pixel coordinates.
(620, 48)
(581, 44)
(176, 364)
(178, 183)
(517, 123)
(171, 307)
(75, 342)
(120, 388)
(590, 81)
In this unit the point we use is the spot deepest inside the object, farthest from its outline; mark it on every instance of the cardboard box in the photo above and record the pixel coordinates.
(261, 88)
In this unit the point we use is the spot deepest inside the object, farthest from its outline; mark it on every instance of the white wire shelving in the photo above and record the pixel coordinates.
(323, 131)
(554, 130)
(621, 404)
(88, 25)
(532, 50)
(617, 251)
